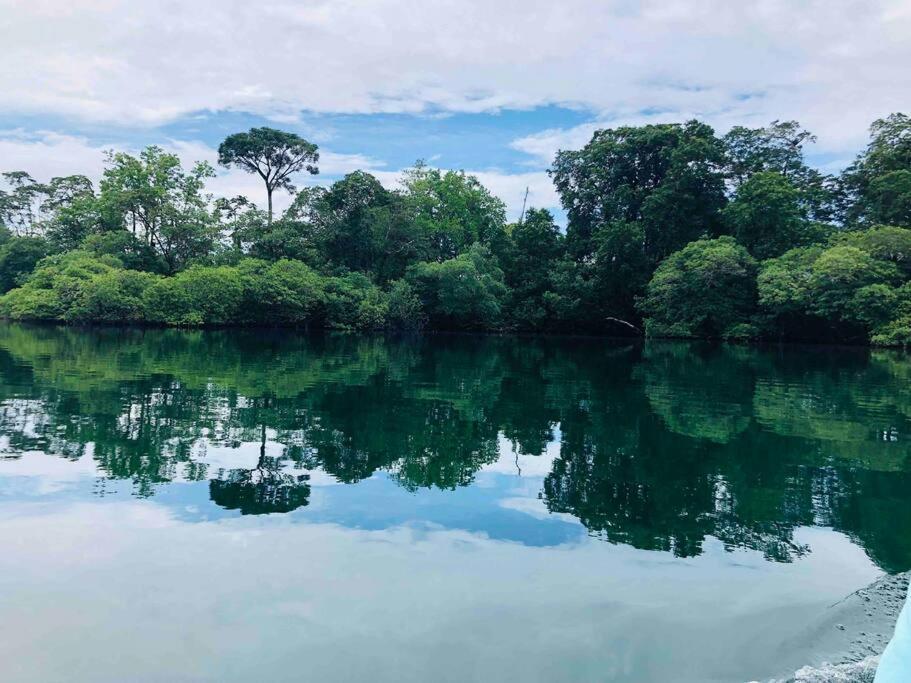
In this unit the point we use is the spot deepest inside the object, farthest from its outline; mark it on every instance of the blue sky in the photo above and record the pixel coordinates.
(494, 88)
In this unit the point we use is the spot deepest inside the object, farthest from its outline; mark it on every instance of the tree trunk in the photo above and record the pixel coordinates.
(269, 193)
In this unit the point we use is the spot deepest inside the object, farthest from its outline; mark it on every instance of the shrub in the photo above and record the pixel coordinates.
(405, 309)
(288, 292)
(353, 302)
(56, 286)
(197, 296)
(115, 296)
(18, 258)
(705, 289)
(463, 292)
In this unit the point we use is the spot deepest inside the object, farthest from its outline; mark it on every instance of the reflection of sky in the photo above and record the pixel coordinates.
(501, 504)
(132, 590)
(371, 580)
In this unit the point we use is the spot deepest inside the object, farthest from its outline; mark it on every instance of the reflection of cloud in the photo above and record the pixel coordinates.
(509, 462)
(49, 473)
(536, 508)
(260, 596)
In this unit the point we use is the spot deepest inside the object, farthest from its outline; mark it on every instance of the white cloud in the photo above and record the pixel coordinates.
(833, 64)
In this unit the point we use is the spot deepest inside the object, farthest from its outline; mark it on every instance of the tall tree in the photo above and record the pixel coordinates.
(877, 186)
(633, 196)
(535, 246)
(159, 202)
(766, 215)
(667, 177)
(274, 155)
(779, 148)
(454, 210)
(20, 205)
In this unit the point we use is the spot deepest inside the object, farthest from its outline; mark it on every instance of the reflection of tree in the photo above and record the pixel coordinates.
(659, 447)
(264, 489)
(698, 389)
(631, 481)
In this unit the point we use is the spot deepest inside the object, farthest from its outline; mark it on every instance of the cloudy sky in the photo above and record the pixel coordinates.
(494, 87)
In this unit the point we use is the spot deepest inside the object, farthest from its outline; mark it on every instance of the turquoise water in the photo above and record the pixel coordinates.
(196, 506)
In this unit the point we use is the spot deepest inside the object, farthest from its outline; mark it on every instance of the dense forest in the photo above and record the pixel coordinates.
(672, 230)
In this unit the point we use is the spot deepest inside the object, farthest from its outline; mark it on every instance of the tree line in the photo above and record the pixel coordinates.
(672, 230)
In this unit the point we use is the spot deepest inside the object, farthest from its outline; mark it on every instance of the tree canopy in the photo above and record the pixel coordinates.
(274, 155)
(671, 230)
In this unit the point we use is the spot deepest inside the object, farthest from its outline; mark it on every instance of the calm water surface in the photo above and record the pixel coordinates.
(220, 506)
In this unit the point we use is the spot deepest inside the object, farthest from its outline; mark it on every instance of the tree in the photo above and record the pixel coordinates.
(272, 154)
(877, 186)
(890, 198)
(18, 258)
(703, 290)
(883, 242)
(453, 210)
(766, 215)
(667, 177)
(536, 245)
(837, 293)
(229, 213)
(20, 206)
(465, 291)
(779, 148)
(346, 218)
(73, 211)
(155, 199)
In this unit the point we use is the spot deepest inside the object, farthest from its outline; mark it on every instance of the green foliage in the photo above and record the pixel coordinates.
(157, 201)
(452, 211)
(18, 257)
(405, 309)
(285, 292)
(536, 245)
(896, 330)
(877, 186)
(114, 296)
(703, 290)
(196, 296)
(842, 291)
(668, 177)
(646, 207)
(353, 302)
(463, 292)
(779, 148)
(766, 215)
(131, 251)
(890, 198)
(838, 274)
(56, 287)
(884, 243)
(282, 238)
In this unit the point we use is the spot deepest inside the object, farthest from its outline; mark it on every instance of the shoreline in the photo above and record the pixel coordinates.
(278, 327)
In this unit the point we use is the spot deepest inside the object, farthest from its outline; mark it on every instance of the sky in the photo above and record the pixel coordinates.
(492, 87)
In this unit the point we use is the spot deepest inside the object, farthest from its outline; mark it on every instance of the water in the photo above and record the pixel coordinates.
(218, 506)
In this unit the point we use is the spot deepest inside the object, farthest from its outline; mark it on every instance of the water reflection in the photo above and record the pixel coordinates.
(658, 447)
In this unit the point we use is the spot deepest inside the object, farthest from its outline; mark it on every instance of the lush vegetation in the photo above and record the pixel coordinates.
(672, 230)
